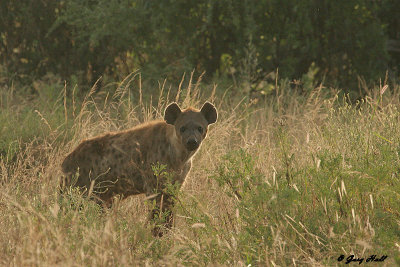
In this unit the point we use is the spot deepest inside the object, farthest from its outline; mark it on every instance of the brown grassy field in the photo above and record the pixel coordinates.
(281, 180)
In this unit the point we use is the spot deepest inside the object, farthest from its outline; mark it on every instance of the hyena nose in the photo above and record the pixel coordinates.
(192, 144)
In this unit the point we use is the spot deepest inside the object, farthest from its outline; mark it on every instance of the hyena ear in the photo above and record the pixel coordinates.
(171, 113)
(209, 112)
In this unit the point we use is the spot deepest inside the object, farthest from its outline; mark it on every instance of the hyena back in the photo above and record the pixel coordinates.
(120, 163)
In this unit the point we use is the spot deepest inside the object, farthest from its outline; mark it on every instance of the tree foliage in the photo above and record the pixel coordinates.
(342, 39)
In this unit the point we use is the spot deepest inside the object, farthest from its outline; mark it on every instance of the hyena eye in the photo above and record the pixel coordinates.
(182, 129)
(200, 129)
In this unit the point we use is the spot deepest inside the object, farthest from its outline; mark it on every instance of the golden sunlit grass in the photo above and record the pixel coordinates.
(286, 180)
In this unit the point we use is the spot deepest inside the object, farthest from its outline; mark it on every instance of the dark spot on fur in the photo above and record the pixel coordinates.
(98, 147)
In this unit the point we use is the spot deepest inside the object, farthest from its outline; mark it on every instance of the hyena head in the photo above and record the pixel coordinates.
(191, 125)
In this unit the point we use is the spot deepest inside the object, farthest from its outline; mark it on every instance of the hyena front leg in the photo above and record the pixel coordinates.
(162, 214)
(168, 185)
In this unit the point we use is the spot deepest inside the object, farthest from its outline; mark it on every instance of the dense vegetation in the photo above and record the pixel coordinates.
(288, 180)
(303, 165)
(339, 41)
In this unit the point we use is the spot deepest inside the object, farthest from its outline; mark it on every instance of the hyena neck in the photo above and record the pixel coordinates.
(182, 155)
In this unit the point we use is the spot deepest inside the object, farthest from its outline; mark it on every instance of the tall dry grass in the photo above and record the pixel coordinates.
(320, 176)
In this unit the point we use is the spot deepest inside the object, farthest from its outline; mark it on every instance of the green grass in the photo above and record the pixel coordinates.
(283, 180)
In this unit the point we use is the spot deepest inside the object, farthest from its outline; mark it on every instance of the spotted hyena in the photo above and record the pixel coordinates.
(122, 163)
